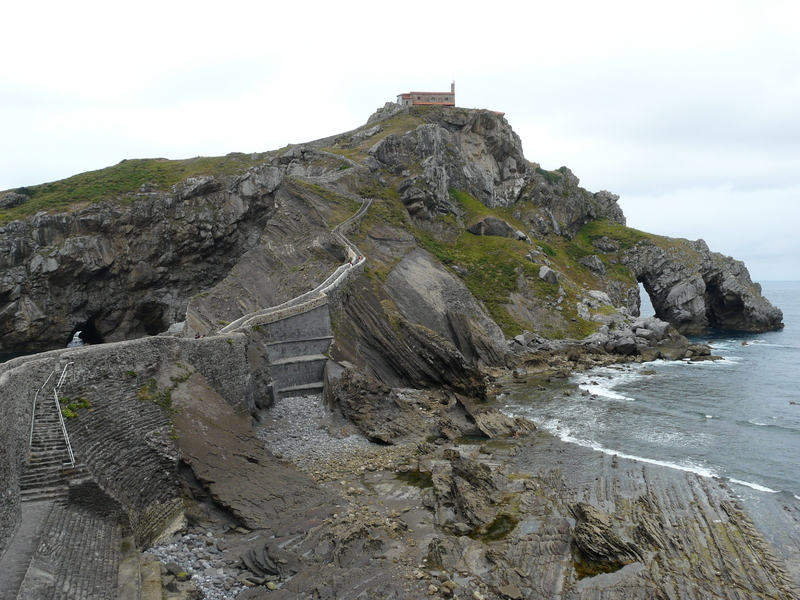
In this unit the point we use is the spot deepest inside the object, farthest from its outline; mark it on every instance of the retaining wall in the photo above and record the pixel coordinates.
(19, 380)
(123, 440)
(280, 350)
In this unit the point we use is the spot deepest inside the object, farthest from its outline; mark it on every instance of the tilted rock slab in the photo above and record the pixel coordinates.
(695, 289)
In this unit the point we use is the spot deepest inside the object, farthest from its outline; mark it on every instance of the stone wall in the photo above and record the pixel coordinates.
(290, 348)
(124, 438)
(311, 324)
(19, 380)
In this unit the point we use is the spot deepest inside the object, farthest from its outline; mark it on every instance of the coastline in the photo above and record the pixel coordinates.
(695, 534)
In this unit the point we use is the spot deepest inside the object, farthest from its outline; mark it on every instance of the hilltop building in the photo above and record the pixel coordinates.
(429, 98)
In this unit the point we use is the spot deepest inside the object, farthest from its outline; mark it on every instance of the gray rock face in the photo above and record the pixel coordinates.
(594, 264)
(695, 289)
(429, 296)
(596, 541)
(547, 275)
(12, 200)
(478, 152)
(124, 272)
(497, 227)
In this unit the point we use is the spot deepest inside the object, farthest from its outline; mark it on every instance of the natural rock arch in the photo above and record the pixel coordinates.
(695, 289)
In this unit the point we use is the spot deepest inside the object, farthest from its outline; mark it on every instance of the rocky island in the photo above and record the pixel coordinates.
(289, 384)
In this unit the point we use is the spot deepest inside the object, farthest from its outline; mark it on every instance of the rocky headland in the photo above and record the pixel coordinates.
(289, 390)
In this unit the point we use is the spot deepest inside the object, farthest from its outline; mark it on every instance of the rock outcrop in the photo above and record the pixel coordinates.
(120, 271)
(393, 416)
(421, 332)
(695, 289)
(479, 153)
(596, 542)
(227, 244)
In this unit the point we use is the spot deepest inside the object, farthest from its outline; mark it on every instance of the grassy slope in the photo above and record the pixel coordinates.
(121, 182)
(494, 265)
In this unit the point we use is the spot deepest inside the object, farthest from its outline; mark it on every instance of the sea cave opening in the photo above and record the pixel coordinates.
(88, 333)
(646, 308)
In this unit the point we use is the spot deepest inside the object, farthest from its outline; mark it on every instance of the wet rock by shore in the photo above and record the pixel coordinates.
(524, 516)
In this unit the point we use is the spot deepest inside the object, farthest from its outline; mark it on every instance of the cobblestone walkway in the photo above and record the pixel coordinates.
(17, 558)
(77, 558)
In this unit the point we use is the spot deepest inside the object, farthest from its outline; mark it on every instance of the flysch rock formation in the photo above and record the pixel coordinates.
(707, 290)
(405, 270)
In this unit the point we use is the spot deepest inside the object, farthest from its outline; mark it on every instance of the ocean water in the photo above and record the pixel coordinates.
(737, 418)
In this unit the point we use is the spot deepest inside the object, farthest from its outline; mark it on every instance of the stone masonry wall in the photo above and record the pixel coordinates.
(287, 349)
(19, 380)
(123, 438)
(315, 323)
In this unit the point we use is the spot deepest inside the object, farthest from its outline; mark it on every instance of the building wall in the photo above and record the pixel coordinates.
(422, 98)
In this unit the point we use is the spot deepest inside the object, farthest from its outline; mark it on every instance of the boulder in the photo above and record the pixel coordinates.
(594, 264)
(547, 275)
(493, 226)
(12, 200)
(595, 540)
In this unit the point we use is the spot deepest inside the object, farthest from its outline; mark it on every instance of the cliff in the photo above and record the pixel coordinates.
(404, 266)
(244, 233)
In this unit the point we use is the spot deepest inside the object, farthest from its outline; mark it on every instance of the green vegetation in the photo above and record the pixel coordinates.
(551, 177)
(593, 230)
(493, 266)
(342, 206)
(149, 392)
(474, 209)
(122, 181)
(69, 406)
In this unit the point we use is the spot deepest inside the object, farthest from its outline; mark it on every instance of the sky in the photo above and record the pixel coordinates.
(689, 111)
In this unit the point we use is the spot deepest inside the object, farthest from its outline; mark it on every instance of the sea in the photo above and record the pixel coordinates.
(737, 418)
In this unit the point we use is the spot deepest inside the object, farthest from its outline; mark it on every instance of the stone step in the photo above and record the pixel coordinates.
(40, 481)
(300, 390)
(47, 462)
(39, 456)
(307, 358)
(44, 445)
(49, 446)
(45, 493)
(50, 434)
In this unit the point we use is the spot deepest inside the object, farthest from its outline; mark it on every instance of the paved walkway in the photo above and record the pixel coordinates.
(18, 556)
(77, 558)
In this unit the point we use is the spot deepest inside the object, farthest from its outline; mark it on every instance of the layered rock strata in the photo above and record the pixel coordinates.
(695, 289)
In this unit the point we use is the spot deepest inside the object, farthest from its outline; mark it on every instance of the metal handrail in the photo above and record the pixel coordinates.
(64, 374)
(64, 427)
(58, 385)
(58, 408)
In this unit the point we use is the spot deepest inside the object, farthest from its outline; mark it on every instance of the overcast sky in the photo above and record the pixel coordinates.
(689, 111)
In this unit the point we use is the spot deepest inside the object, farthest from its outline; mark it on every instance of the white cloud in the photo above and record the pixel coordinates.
(687, 110)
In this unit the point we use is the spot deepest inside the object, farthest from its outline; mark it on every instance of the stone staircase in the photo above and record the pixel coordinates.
(49, 464)
(298, 351)
(299, 331)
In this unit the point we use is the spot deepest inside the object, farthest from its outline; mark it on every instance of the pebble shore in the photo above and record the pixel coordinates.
(298, 430)
(302, 431)
(203, 557)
